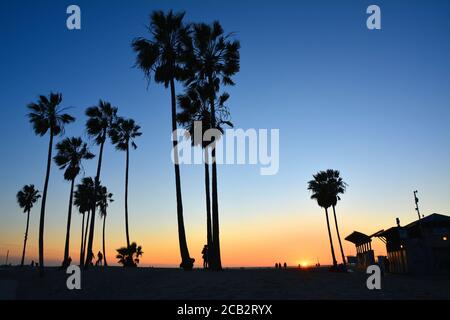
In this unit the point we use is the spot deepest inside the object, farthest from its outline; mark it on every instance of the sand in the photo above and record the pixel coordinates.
(158, 284)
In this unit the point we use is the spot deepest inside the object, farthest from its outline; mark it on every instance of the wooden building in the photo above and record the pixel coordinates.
(364, 253)
(421, 247)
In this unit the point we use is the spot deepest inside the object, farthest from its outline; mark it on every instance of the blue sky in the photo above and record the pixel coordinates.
(373, 104)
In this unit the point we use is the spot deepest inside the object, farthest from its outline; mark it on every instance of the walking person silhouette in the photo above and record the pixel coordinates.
(99, 259)
(205, 257)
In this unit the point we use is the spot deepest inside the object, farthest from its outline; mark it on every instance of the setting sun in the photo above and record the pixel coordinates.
(304, 264)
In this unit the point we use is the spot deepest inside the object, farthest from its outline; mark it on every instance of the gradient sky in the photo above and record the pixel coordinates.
(373, 104)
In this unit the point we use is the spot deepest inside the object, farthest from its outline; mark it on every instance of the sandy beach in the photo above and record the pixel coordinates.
(168, 284)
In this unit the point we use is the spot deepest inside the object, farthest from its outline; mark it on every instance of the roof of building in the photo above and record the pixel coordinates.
(432, 220)
(358, 238)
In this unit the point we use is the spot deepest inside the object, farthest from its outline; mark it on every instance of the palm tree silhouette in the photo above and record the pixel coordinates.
(100, 120)
(129, 256)
(337, 186)
(83, 197)
(213, 58)
(71, 152)
(320, 189)
(122, 133)
(26, 198)
(161, 57)
(104, 198)
(195, 112)
(47, 116)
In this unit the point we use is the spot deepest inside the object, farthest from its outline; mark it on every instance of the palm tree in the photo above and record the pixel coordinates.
(320, 189)
(46, 116)
(26, 198)
(104, 199)
(124, 132)
(83, 196)
(195, 111)
(213, 58)
(337, 186)
(71, 152)
(100, 120)
(129, 256)
(161, 57)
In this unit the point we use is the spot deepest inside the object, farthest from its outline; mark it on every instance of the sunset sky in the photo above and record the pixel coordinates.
(374, 104)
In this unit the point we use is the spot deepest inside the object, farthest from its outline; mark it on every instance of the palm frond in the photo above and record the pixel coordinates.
(27, 197)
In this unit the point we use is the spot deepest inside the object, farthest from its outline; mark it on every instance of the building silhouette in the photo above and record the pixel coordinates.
(421, 247)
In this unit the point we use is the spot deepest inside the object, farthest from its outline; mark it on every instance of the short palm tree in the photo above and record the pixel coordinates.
(71, 152)
(320, 189)
(26, 198)
(161, 58)
(129, 256)
(100, 120)
(104, 199)
(195, 112)
(213, 58)
(83, 197)
(338, 186)
(123, 133)
(47, 116)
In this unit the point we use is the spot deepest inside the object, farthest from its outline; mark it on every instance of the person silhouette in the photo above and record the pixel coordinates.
(276, 265)
(99, 259)
(285, 265)
(205, 257)
(90, 258)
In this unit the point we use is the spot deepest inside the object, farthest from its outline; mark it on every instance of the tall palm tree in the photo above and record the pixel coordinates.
(104, 199)
(123, 133)
(83, 196)
(26, 198)
(161, 58)
(212, 59)
(100, 120)
(320, 189)
(46, 115)
(71, 152)
(195, 112)
(337, 186)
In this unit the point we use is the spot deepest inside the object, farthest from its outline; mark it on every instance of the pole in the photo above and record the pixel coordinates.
(7, 257)
(416, 200)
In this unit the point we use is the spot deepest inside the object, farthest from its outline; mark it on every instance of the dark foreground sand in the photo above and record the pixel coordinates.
(146, 283)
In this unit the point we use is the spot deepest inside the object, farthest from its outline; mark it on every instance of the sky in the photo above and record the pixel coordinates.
(373, 104)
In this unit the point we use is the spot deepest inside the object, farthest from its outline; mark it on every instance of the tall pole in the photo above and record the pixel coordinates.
(416, 200)
(7, 257)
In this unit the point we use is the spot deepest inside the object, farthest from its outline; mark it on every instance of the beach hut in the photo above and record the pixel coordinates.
(364, 253)
(421, 247)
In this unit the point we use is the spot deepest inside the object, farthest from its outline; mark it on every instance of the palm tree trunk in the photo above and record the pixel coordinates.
(208, 206)
(187, 262)
(89, 256)
(25, 239)
(69, 219)
(331, 239)
(216, 263)
(44, 200)
(104, 250)
(126, 196)
(339, 236)
(86, 230)
(86, 236)
(82, 243)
